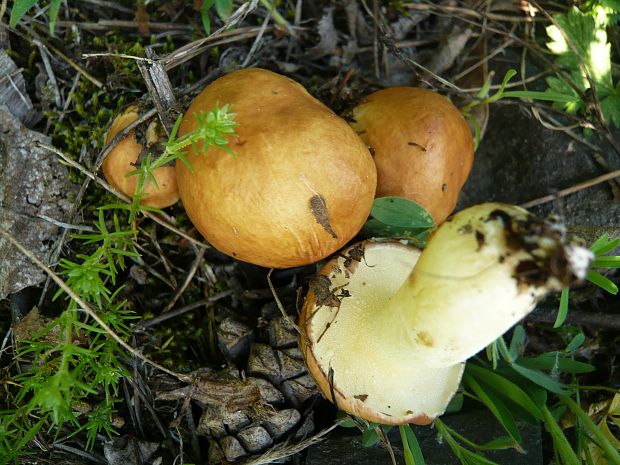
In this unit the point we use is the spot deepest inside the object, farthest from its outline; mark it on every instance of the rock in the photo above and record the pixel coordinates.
(519, 160)
(33, 186)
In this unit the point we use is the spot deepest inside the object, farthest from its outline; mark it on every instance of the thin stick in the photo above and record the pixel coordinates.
(155, 217)
(180, 311)
(86, 308)
(188, 279)
(571, 190)
(285, 315)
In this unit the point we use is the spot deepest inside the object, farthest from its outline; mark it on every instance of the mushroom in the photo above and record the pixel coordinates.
(123, 158)
(386, 329)
(423, 146)
(301, 183)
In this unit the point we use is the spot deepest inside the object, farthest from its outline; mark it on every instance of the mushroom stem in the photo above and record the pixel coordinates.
(482, 271)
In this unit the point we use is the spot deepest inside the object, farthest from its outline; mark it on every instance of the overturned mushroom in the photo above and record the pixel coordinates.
(385, 336)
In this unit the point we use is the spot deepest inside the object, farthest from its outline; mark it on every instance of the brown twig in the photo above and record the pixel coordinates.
(572, 189)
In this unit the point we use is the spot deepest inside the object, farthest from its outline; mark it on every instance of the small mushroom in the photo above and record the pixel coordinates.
(124, 157)
(423, 146)
(301, 183)
(391, 344)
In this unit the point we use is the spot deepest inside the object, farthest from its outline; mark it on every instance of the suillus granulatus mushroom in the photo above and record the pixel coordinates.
(301, 183)
(125, 155)
(422, 145)
(386, 329)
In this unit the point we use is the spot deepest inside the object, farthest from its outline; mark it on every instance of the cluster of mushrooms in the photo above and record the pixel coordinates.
(386, 328)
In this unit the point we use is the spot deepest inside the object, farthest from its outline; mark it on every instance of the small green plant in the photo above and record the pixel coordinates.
(72, 368)
(223, 8)
(579, 41)
(600, 248)
(21, 7)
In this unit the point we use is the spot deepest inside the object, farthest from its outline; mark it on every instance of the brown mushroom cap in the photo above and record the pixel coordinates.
(423, 147)
(119, 162)
(300, 186)
(351, 355)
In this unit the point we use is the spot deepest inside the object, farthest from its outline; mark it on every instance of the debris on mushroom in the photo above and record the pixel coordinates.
(390, 345)
(125, 156)
(301, 183)
(422, 144)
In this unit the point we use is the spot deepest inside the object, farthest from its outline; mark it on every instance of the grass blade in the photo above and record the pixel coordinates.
(563, 309)
(411, 447)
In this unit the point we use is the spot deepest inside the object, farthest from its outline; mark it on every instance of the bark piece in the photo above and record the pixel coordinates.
(281, 422)
(281, 334)
(268, 392)
(34, 191)
(232, 448)
(299, 390)
(234, 339)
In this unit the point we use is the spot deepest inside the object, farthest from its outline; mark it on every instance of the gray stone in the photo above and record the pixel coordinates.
(519, 160)
(345, 446)
(34, 191)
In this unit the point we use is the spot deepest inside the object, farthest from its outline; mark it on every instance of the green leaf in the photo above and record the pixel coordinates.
(223, 8)
(563, 309)
(495, 405)
(375, 228)
(610, 106)
(503, 442)
(611, 453)
(600, 243)
(504, 387)
(560, 442)
(606, 262)
(585, 42)
(575, 343)
(401, 213)
(370, 437)
(554, 361)
(541, 379)
(604, 245)
(560, 87)
(456, 403)
(549, 95)
(204, 15)
(53, 14)
(411, 447)
(20, 8)
(601, 281)
(517, 342)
